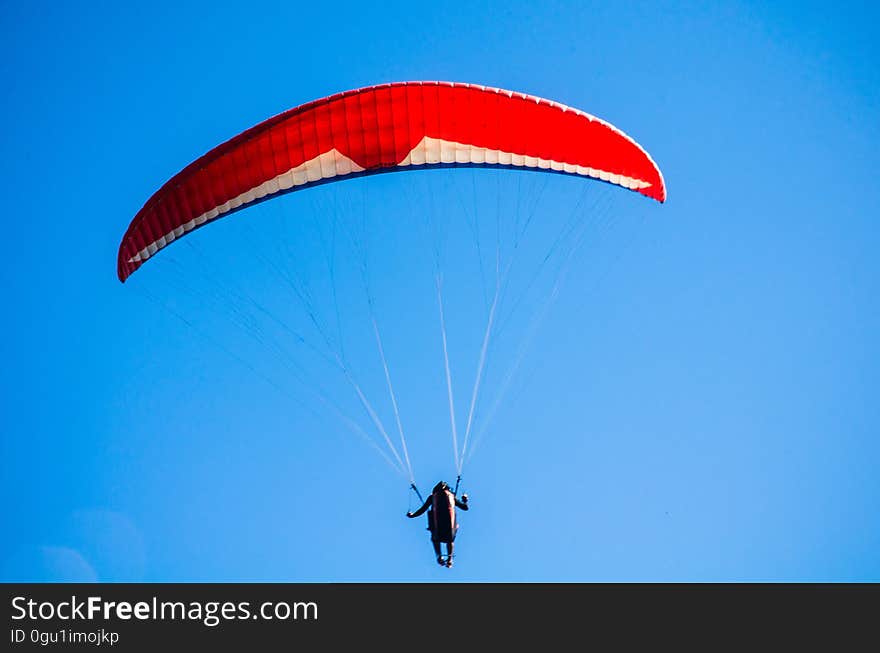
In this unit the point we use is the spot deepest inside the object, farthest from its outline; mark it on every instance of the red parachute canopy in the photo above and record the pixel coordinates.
(398, 126)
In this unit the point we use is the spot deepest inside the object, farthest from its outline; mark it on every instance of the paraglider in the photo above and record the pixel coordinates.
(442, 519)
(385, 128)
(393, 127)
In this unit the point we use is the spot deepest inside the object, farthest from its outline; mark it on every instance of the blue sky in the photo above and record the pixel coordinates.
(699, 403)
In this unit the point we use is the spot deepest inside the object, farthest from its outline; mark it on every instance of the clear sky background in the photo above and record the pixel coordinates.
(699, 404)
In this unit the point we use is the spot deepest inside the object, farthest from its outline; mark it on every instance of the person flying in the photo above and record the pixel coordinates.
(442, 521)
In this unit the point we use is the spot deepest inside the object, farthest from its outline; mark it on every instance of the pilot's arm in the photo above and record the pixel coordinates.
(421, 510)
